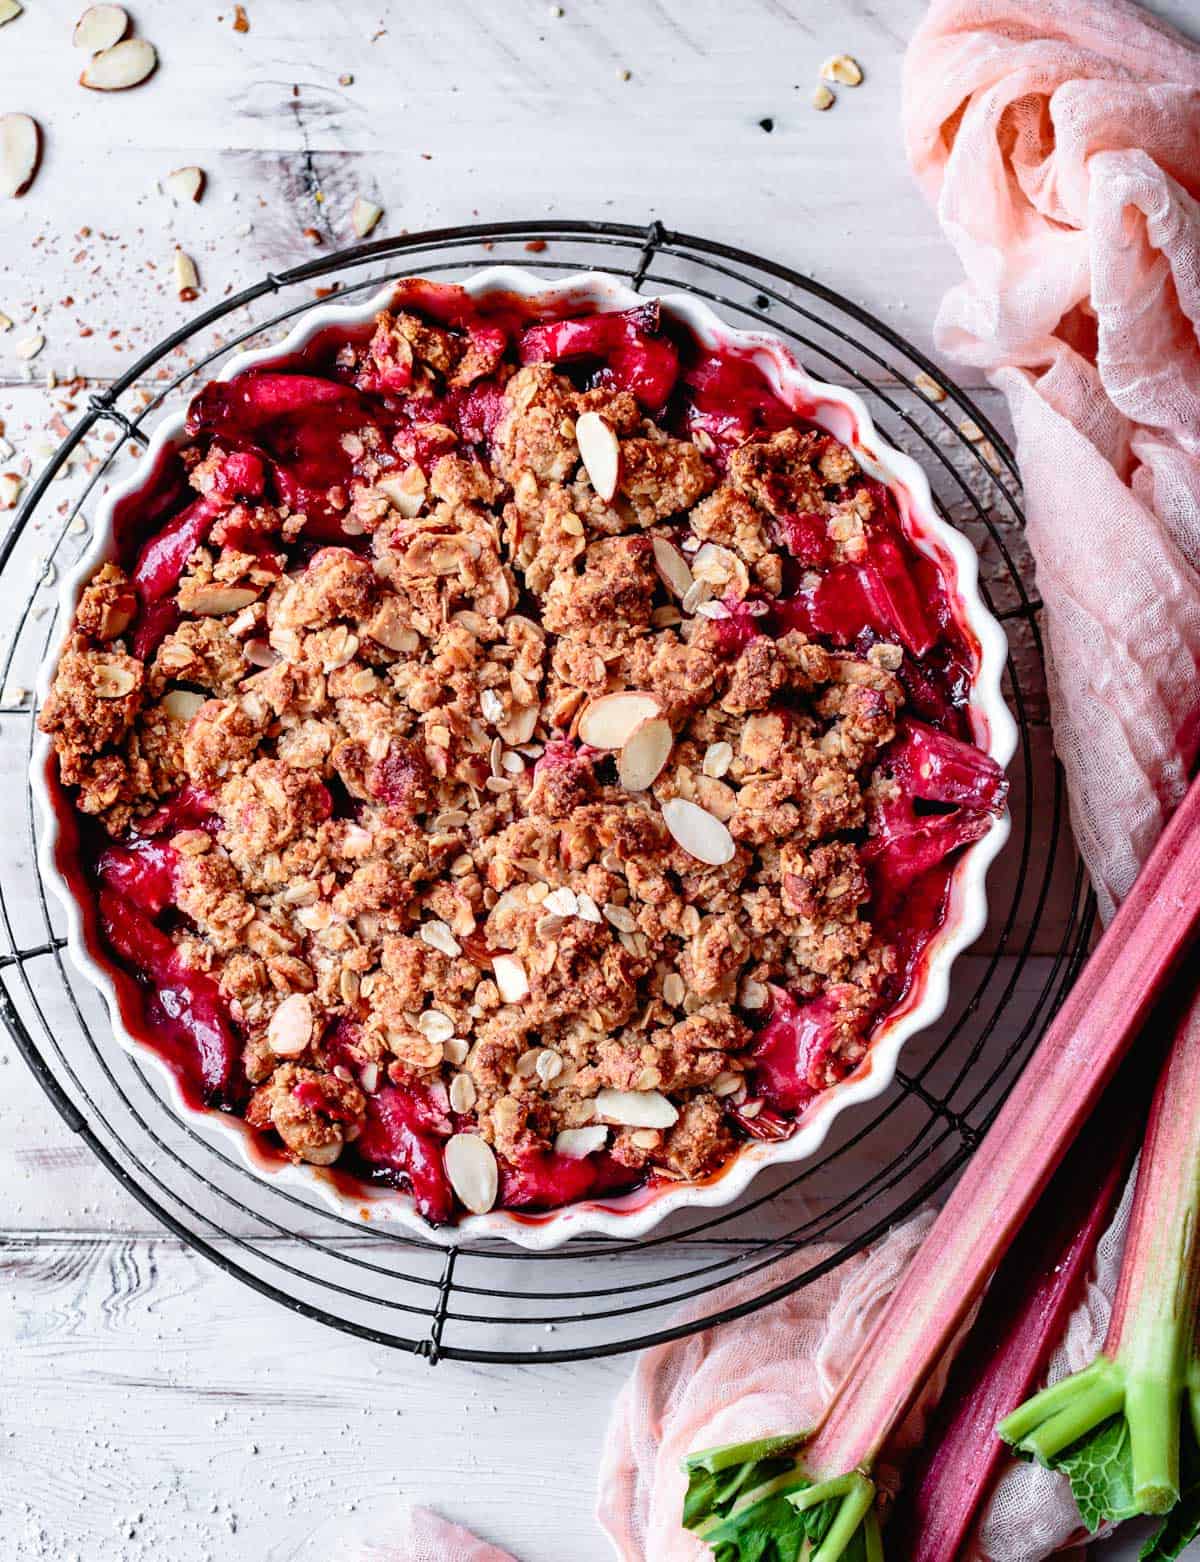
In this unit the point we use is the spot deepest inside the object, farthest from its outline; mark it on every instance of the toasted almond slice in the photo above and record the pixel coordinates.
(717, 759)
(672, 567)
(463, 1093)
(20, 153)
(609, 721)
(510, 976)
(126, 64)
(575, 1143)
(563, 902)
(181, 704)
(843, 69)
(114, 682)
(9, 11)
(364, 215)
(187, 278)
(291, 1026)
(405, 490)
(929, 387)
(185, 184)
(600, 453)
(100, 27)
(646, 751)
(701, 834)
(213, 601)
(636, 1108)
(30, 346)
(471, 1168)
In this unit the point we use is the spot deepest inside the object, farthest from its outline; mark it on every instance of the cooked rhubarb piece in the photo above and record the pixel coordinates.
(729, 400)
(795, 1049)
(404, 1134)
(261, 396)
(636, 355)
(543, 1180)
(190, 1000)
(161, 561)
(143, 872)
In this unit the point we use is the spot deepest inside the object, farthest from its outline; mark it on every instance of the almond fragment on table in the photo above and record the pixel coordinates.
(100, 27)
(11, 489)
(187, 278)
(364, 215)
(843, 69)
(822, 98)
(186, 184)
(126, 64)
(9, 11)
(20, 153)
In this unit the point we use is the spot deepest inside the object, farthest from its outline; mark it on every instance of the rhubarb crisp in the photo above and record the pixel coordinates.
(513, 757)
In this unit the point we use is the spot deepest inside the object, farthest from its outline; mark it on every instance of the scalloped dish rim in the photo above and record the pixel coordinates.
(634, 1214)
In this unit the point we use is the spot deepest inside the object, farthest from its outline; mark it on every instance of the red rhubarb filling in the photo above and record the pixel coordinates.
(513, 757)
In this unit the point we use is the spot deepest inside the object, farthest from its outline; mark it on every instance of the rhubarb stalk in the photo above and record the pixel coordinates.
(1114, 1428)
(1022, 1318)
(734, 1494)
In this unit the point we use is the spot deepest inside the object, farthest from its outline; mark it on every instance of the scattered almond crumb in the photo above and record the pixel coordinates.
(5, 323)
(9, 11)
(29, 346)
(346, 80)
(11, 488)
(535, 246)
(843, 69)
(988, 451)
(929, 387)
(969, 429)
(822, 98)
(364, 215)
(187, 279)
(241, 22)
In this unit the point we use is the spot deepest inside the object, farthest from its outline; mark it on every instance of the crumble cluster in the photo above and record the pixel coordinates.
(419, 871)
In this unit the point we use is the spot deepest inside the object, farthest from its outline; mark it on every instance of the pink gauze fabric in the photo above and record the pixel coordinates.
(1059, 141)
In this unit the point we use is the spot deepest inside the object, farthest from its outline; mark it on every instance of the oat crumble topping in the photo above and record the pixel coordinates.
(430, 794)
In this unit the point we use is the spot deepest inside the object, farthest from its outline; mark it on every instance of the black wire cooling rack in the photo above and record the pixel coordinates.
(492, 1302)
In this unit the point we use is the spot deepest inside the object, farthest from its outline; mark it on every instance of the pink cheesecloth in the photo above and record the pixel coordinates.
(1059, 143)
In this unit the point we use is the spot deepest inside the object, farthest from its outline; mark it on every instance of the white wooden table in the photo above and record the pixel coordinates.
(149, 1405)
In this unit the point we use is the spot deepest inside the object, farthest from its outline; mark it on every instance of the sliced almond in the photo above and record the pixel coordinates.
(701, 834)
(100, 27)
(563, 902)
(610, 721)
(843, 69)
(471, 1168)
(575, 1143)
(114, 682)
(187, 278)
(511, 980)
(181, 704)
(822, 98)
(646, 751)
(29, 347)
(636, 1108)
(291, 1026)
(212, 601)
(9, 11)
(599, 452)
(672, 567)
(185, 184)
(364, 215)
(405, 491)
(125, 65)
(463, 1093)
(717, 759)
(20, 153)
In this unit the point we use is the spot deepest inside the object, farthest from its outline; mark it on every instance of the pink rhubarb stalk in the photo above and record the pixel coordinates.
(1022, 1319)
(1043, 1114)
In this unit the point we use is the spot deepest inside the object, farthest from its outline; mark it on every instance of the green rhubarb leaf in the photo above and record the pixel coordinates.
(770, 1532)
(1100, 1470)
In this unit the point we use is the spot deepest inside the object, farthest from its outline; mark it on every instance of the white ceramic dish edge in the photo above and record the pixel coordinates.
(844, 414)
